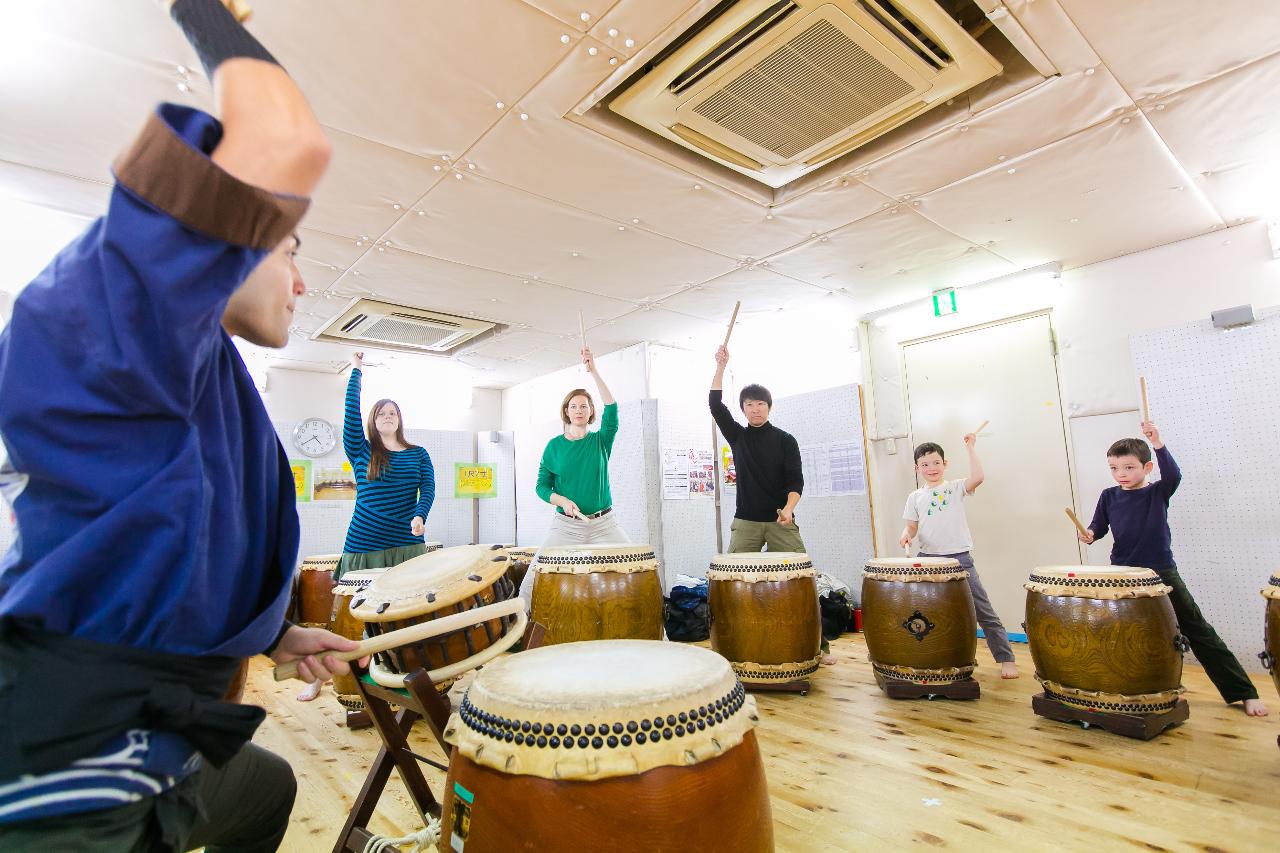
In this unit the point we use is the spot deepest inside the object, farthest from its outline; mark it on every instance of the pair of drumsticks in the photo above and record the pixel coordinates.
(1146, 418)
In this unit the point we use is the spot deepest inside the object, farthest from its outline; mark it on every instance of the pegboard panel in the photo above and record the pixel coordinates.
(1216, 401)
(628, 475)
(498, 514)
(836, 528)
(688, 531)
(324, 523)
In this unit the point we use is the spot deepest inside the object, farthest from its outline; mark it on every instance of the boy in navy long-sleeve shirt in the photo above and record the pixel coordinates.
(1137, 514)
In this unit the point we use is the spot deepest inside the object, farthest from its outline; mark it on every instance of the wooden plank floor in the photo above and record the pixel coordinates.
(852, 770)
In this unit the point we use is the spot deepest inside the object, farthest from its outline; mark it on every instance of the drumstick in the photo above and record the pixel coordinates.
(404, 636)
(981, 427)
(732, 320)
(582, 330)
(1146, 406)
(1076, 521)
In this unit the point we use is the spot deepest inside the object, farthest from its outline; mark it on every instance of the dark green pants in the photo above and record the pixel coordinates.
(241, 808)
(1222, 667)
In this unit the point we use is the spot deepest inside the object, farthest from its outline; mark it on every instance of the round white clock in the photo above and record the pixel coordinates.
(315, 437)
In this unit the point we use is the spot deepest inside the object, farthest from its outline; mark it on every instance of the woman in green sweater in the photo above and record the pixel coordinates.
(574, 474)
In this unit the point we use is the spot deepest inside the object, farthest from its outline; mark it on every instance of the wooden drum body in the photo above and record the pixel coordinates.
(615, 745)
(597, 592)
(521, 559)
(1272, 631)
(764, 615)
(434, 585)
(918, 618)
(344, 624)
(315, 590)
(1104, 639)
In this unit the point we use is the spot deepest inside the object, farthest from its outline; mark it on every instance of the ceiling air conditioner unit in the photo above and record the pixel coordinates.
(777, 89)
(400, 327)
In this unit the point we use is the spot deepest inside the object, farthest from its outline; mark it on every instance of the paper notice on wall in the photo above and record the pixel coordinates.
(702, 474)
(847, 468)
(675, 473)
(833, 469)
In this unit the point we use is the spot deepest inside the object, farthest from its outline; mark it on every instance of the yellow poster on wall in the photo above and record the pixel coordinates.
(301, 469)
(726, 466)
(473, 481)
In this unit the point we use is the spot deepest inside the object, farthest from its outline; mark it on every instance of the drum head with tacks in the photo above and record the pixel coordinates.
(584, 559)
(433, 546)
(1096, 581)
(430, 582)
(357, 579)
(754, 566)
(321, 563)
(602, 708)
(908, 569)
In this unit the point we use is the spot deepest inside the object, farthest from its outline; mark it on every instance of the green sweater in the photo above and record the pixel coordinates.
(579, 470)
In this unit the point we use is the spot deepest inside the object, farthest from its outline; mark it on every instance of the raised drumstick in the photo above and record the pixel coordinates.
(732, 320)
(582, 330)
(1076, 521)
(1146, 405)
(981, 427)
(239, 8)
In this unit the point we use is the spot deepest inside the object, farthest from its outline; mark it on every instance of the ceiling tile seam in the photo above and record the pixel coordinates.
(1189, 182)
(982, 247)
(599, 217)
(542, 281)
(95, 181)
(1266, 57)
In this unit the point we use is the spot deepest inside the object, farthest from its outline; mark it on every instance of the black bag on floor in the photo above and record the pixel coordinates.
(687, 614)
(837, 614)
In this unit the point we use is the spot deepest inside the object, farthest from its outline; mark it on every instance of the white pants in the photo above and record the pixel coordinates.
(575, 531)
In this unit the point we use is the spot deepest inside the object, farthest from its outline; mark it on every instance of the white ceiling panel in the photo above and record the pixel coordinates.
(53, 191)
(581, 15)
(1053, 110)
(662, 327)
(523, 234)
(439, 285)
(323, 258)
(422, 77)
(1082, 200)
(1159, 46)
(1226, 134)
(758, 290)
(825, 208)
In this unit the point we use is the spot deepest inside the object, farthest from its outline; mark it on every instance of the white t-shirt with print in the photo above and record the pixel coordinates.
(939, 510)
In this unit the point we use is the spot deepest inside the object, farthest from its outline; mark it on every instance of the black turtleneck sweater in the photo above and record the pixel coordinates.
(767, 461)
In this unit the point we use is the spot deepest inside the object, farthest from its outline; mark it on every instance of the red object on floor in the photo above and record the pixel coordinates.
(857, 619)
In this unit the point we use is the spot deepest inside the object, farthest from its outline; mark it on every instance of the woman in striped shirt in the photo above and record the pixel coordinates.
(395, 487)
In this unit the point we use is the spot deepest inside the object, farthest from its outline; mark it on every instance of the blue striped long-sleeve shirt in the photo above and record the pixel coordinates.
(385, 507)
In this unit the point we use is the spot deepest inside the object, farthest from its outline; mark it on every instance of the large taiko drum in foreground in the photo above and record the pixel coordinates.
(344, 624)
(612, 745)
(919, 622)
(315, 590)
(1272, 631)
(597, 592)
(764, 615)
(1104, 639)
(468, 578)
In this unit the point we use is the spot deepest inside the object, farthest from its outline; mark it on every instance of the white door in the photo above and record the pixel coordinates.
(1005, 373)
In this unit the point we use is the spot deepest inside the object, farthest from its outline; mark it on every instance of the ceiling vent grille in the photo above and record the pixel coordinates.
(776, 89)
(400, 327)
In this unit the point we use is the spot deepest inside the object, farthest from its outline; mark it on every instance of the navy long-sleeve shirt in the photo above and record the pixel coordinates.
(1139, 519)
(767, 460)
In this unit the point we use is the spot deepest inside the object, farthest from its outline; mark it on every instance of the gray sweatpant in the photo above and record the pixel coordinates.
(574, 531)
(992, 627)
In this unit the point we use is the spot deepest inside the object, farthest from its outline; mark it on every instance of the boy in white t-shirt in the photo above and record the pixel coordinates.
(935, 514)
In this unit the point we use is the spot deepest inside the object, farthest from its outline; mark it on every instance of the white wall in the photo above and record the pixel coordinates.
(1094, 310)
(429, 397)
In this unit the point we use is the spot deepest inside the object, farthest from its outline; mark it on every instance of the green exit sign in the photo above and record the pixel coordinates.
(944, 302)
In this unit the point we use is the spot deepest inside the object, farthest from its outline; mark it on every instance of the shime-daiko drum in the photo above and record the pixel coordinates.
(347, 625)
(610, 745)
(315, 590)
(1272, 632)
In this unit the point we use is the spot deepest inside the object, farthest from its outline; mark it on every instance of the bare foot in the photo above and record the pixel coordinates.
(1008, 669)
(827, 660)
(1255, 708)
(311, 691)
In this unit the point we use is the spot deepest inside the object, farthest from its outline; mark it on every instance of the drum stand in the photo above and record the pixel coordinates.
(1140, 726)
(966, 689)
(419, 700)
(799, 685)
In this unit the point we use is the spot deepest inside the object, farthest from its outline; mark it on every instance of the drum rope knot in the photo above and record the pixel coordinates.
(420, 840)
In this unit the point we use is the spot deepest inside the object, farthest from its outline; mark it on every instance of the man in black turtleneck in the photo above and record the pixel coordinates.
(767, 460)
